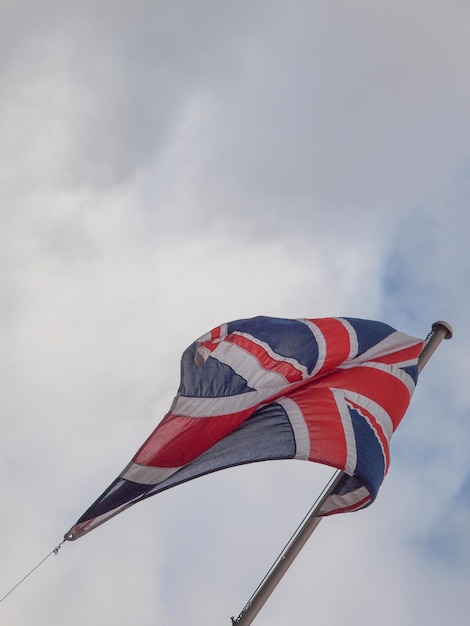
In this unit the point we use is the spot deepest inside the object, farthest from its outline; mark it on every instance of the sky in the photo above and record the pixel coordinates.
(166, 167)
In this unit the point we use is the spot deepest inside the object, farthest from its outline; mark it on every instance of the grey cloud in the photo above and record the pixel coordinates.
(341, 114)
(115, 78)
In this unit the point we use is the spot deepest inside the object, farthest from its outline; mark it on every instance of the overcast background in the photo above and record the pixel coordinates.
(168, 166)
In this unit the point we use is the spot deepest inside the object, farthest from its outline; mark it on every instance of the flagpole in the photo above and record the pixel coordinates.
(440, 330)
(287, 556)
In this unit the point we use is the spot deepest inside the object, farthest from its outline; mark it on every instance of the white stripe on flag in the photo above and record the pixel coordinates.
(299, 428)
(321, 344)
(146, 474)
(379, 413)
(354, 346)
(190, 406)
(393, 343)
(335, 501)
(274, 355)
(247, 365)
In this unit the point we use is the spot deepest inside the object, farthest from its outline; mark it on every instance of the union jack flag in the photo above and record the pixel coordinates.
(330, 390)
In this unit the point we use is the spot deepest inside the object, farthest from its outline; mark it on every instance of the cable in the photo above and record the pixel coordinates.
(54, 551)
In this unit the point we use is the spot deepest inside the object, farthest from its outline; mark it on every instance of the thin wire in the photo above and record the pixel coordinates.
(54, 551)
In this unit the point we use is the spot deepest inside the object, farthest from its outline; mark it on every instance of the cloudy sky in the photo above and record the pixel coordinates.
(168, 166)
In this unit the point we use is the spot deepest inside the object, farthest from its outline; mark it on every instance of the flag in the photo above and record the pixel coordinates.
(328, 390)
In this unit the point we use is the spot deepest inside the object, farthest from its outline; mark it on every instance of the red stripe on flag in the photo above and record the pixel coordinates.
(320, 411)
(338, 342)
(178, 440)
(215, 337)
(378, 385)
(289, 371)
(407, 354)
(216, 332)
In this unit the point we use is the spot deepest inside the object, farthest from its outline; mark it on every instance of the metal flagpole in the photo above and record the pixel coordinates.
(440, 330)
(287, 556)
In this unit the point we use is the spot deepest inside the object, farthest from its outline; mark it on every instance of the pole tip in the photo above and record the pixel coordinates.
(445, 325)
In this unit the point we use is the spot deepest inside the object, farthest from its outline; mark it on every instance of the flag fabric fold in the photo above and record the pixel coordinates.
(329, 390)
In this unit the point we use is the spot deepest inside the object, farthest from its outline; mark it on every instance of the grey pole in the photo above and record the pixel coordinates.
(440, 330)
(287, 556)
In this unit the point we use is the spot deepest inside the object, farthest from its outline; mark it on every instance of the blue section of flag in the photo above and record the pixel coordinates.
(370, 455)
(412, 371)
(214, 380)
(287, 337)
(120, 492)
(369, 333)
